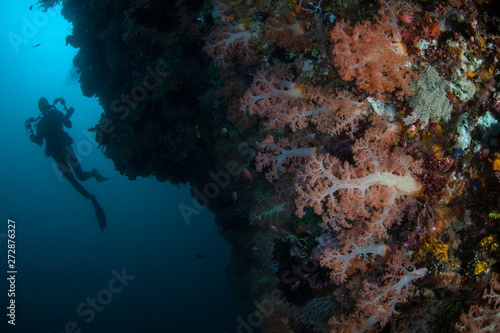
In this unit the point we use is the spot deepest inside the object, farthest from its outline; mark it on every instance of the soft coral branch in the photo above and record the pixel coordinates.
(330, 114)
(484, 318)
(377, 300)
(380, 299)
(281, 101)
(272, 95)
(231, 42)
(286, 33)
(365, 197)
(281, 156)
(341, 260)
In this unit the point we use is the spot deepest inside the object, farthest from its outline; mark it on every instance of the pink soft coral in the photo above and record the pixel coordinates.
(231, 42)
(484, 318)
(286, 33)
(331, 114)
(281, 156)
(281, 101)
(377, 300)
(273, 96)
(372, 54)
(360, 200)
(341, 260)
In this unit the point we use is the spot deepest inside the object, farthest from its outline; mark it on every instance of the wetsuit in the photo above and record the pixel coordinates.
(58, 146)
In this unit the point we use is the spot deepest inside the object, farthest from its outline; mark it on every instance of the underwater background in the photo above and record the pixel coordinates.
(61, 255)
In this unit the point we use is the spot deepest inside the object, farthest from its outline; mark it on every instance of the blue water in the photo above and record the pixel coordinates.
(63, 260)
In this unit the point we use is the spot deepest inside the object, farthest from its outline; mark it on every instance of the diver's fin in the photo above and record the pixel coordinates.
(99, 213)
(98, 176)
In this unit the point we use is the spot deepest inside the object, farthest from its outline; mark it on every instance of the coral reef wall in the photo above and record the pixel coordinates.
(349, 149)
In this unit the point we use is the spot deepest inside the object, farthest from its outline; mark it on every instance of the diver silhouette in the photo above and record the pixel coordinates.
(49, 126)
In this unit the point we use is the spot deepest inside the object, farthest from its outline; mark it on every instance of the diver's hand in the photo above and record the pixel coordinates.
(66, 122)
(60, 100)
(36, 139)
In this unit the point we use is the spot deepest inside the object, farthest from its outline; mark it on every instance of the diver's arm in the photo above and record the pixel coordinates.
(36, 139)
(69, 113)
(64, 119)
(67, 122)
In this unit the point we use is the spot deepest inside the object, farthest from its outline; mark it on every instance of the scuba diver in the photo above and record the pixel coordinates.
(49, 126)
